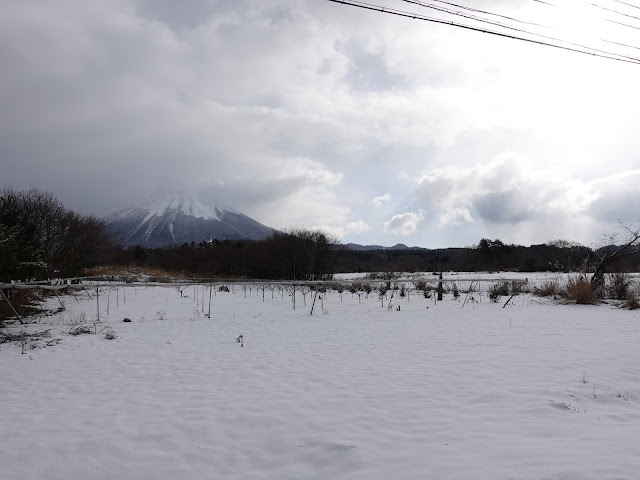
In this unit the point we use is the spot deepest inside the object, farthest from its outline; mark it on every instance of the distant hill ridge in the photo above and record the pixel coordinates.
(175, 217)
(398, 246)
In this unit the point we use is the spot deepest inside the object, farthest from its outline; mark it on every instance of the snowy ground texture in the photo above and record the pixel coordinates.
(357, 391)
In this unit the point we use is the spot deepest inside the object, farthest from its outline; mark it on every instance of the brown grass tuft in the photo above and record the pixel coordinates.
(24, 301)
(134, 273)
(549, 288)
(631, 302)
(580, 291)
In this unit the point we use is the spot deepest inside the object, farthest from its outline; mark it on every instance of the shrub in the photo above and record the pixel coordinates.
(618, 286)
(632, 302)
(497, 290)
(420, 285)
(549, 288)
(80, 330)
(24, 301)
(579, 290)
(520, 287)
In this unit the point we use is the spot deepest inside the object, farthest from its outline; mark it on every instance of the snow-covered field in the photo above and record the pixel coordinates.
(356, 391)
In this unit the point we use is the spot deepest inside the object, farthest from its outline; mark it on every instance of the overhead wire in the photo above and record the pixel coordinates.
(623, 24)
(485, 12)
(464, 15)
(576, 48)
(613, 10)
(627, 4)
(522, 30)
(621, 44)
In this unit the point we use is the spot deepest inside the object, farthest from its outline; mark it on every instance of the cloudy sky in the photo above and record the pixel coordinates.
(311, 113)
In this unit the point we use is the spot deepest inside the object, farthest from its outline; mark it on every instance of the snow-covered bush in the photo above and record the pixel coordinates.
(110, 334)
(618, 286)
(497, 290)
(80, 330)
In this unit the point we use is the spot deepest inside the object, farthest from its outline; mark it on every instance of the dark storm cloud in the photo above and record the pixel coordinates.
(300, 112)
(507, 206)
(617, 199)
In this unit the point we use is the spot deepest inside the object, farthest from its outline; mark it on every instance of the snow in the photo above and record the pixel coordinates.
(173, 237)
(532, 391)
(200, 204)
(196, 204)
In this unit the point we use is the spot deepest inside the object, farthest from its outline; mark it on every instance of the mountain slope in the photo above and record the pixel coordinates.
(177, 217)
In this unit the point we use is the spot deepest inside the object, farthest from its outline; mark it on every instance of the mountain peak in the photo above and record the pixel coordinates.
(199, 204)
(177, 216)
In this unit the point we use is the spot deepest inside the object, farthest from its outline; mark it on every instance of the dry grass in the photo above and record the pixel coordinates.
(632, 302)
(579, 290)
(106, 270)
(134, 273)
(24, 301)
(549, 288)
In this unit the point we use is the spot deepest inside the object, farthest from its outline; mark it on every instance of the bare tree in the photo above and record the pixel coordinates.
(612, 253)
(303, 254)
(39, 236)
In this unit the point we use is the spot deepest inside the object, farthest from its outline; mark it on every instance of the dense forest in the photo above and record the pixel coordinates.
(296, 256)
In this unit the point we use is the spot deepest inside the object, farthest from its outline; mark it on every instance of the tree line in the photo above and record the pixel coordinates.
(296, 254)
(305, 255)
(40, 238)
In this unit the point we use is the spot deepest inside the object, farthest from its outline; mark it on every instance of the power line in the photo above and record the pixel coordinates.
(627, 4)
(582, 49)
(510, 27)
(471, 9)
(623, 24)
(621, 44)
(612, 10)
(464, 15)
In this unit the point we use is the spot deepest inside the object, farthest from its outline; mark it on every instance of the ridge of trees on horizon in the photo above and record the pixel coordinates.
(295, 255)
(41, 239)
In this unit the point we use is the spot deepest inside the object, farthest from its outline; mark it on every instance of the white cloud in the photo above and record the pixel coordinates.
(510, 196)
(378, 201)
(297, 110)
(455, 216)
(298, 192)
(404, 223)
(505, 190)
(615, 198)
(351, 228)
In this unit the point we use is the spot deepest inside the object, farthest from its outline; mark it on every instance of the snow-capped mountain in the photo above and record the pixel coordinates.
(175, 217)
